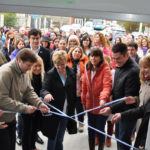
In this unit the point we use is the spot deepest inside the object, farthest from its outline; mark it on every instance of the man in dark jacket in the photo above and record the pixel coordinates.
(134, 114)
(132, 50)
(126, 83)
(34, 36)
(35, 41)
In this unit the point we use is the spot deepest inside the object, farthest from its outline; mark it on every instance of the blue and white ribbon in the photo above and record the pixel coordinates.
(62, 114)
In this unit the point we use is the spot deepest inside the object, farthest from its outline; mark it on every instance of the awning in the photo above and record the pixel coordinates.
(127, 10)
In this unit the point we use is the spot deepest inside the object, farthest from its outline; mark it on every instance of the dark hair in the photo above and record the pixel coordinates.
(120, 48)
(45, 38)
(119, 39)
(95, 52)
(132, 37)
(57, 38)
(133, 44)
(54, 33)
(54, 41)
(26, 54)
(63, 39)
(84, 38)
(34, 32)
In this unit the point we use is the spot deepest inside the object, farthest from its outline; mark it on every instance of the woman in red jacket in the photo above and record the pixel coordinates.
(77, 60)
(96, 90)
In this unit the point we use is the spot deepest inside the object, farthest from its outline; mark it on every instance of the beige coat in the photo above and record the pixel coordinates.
(144, 96)
(2, 59)
(14, 87)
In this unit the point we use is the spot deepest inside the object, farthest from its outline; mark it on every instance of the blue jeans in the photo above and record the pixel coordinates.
(57, 143)
(98, 122)
(19, 125)
(123, 131)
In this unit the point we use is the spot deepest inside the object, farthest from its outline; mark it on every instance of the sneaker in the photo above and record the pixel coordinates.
(39, 140)
(81, 128)
(19, 140)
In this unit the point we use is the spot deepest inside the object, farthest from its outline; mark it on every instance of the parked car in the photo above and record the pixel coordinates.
(98, 24)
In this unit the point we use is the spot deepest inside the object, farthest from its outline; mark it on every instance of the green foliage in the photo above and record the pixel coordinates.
(87, 19)
(129, 26)
(10, 19)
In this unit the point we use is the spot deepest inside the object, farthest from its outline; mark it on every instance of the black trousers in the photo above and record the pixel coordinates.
(8, 137)
(79, 109)
(30, 127)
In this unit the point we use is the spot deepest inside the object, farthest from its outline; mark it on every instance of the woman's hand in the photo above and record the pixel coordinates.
(48, 98)
(116, 118)
(141, 147)
(1, 112)
(130, 100)
(3, 125)
(105, 111)
(102, 103)
(44, 108)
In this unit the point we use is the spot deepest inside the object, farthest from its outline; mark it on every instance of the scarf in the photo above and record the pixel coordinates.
(74, 64)
(144, 48)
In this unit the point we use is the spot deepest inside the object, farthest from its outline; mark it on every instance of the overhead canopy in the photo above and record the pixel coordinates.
(127, 10)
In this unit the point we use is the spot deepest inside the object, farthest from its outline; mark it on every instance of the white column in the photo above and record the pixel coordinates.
(1, 20)
(36, 23)
(29, 21)
(140, 27)
(44, 22)
(39, 22)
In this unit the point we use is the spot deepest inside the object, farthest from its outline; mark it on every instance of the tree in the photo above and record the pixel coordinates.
(10, 19)
(129, 26)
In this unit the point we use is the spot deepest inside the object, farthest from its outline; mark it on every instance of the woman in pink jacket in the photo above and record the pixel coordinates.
(96, 90)
(100, 41)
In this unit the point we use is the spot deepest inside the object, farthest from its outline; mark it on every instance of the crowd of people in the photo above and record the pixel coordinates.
(73, 73)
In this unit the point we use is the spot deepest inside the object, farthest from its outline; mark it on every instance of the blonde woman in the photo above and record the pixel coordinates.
(77, 60)
(30, 122)
(73, 41)
(59, 90)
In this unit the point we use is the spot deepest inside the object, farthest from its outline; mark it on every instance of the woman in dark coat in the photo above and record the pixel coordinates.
(30, 121)
(59, 90)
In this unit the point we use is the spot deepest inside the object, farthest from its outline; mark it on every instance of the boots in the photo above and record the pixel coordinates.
(110, 132)
(108, 142)
(91, 145)
(101, 146)
(96, 139)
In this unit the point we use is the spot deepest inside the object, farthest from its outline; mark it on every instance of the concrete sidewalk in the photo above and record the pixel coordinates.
(77, 141)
